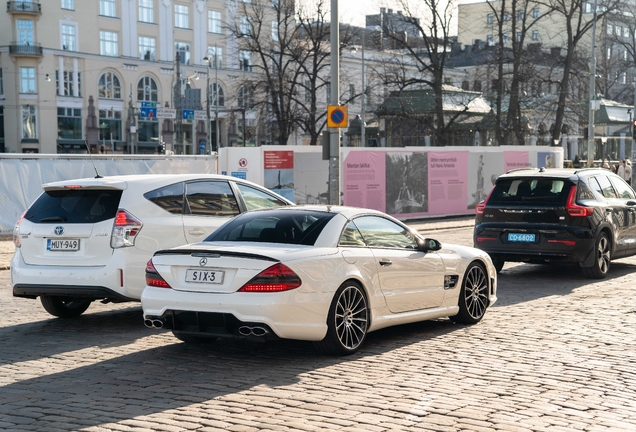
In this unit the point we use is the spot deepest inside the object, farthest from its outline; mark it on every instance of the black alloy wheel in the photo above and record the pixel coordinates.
(602, 258)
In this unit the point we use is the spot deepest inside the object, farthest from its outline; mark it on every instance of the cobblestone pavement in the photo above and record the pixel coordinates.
(555, 353)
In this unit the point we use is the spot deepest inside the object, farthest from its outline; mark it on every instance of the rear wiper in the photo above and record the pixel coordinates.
(54, 219)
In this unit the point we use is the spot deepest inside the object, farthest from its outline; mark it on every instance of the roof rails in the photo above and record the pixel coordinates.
(520, 169)
(588, 168)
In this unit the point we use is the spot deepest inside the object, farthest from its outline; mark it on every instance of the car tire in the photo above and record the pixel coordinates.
(347, 321)
(187, 338)
(473, 295)
(65, 307)
(602, 258)
(497, 262)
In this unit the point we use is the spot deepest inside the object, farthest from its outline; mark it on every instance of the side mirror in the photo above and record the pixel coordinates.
(631, 203)
(428, 245)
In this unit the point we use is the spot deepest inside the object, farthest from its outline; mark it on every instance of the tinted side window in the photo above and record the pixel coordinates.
(584, 192)
(256, 199)
(606, 188)
(351, 236)
(75, 206)
(623, 189)
(210, 198)
(169, 198)
(380, 232)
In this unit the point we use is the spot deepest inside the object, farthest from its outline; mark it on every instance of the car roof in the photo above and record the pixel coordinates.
(569, 173)
(346, 211)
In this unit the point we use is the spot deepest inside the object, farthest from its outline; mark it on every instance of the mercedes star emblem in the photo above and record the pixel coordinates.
(59, 230)
(203, 262)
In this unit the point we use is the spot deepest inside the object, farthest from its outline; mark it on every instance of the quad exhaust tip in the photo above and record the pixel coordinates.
(253, 331)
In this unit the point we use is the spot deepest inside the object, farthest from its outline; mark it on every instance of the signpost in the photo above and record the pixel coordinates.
(166, 113)
(188, 114)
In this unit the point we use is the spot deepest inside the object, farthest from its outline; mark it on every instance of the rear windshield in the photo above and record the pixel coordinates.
(75, 206)
(531, 191)
(288, 227)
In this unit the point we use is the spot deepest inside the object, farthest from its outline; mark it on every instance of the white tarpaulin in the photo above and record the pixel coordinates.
(21, 176)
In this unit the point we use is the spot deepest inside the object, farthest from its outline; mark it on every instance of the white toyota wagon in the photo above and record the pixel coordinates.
(90, 239)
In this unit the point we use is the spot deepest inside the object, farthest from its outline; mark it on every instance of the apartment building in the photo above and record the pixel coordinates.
(70, 59)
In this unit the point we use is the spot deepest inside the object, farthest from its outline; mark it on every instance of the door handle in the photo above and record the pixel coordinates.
(385, 263)
(196, 232)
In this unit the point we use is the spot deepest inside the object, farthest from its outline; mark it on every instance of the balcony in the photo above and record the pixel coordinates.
(25, 50)
(24, 7)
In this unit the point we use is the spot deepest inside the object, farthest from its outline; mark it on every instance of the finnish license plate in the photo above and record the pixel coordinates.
(521, 238)
(204, 276)
(66, 245)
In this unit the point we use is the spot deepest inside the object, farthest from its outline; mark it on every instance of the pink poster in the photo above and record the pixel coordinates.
(516, 159)
(363, 180)
(447, 182)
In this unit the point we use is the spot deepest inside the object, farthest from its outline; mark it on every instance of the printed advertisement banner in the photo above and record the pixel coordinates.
(363, 180)
(278, 173)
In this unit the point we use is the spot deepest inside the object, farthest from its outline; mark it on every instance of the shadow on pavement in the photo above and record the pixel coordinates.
(548, 280)
(177, 375)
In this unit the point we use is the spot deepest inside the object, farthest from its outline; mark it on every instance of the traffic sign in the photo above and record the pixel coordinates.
(188, 115)
(200, 115)
(149, 104)
(148, 112)
(337, 116)
(166, 113)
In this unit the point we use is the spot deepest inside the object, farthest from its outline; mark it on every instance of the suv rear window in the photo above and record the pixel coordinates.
(75, 206)
(530, 191)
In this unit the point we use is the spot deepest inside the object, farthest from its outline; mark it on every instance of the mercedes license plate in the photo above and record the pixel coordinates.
(521, 238)
(66, 245)
(204, 276)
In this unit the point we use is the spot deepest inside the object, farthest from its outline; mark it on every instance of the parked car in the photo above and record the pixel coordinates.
(318, 273)
(89, 239)
(585, 216)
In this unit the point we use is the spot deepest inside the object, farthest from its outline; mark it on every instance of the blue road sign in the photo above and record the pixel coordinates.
(239, 174)
(188, 114)
(149, 104)
(148, 112)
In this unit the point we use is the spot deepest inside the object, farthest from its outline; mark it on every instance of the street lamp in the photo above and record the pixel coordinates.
(216, 98)
(362, 109)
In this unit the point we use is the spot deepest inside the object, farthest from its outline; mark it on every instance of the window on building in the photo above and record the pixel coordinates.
(68, 4)
(147, 48)
(489, 40)
(245, 61)
(307, 91)
(275, 31)
(214, 97)
(245, 97)
(148, 130)
(147, 90)
(25, 32)
(215, 52)
(521, 15)
(624, 78)
(536, 13)
(181, 16)
(66, 83)
(69, 123)
(109, 45)
(29, 122)
(69, 37)
(506, 17)
(184, 52)
(535, 35)
(245, 26)
(107, 8)
(27, 80)
(214, 21)
(519, 35)
(109, 86)
(490, 18)
(505, 38)
(1, 83)
(147, 11)
(352, 93)
(109, 125)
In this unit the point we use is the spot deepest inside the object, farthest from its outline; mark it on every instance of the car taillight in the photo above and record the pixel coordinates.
(276, 278)
(481, 207)
(574, 209)
(153, 278)
(16, 231)
(125, 230)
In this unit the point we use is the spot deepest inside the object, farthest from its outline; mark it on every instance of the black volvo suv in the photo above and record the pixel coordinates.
(585, 216)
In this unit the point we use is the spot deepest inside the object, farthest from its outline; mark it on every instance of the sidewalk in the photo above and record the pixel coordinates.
(422, 226)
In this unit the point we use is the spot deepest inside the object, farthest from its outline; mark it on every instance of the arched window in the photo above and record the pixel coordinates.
(214, 97)
(109, 86)
(147, 90)
(245, 97)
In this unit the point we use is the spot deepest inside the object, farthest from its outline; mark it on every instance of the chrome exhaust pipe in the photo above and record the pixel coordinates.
(157, 323)
(148, 323)
(259, 331)
(245, 330)
(252, 331)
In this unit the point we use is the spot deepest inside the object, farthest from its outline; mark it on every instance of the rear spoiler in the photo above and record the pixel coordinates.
(201, 253)
(91, 183)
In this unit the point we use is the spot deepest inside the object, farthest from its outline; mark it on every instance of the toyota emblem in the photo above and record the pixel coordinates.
(203, 262)
(59, 230)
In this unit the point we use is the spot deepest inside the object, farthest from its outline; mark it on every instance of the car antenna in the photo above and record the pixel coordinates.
(91, 157)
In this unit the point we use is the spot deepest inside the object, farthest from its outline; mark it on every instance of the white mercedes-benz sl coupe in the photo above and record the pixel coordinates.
(326, 274)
